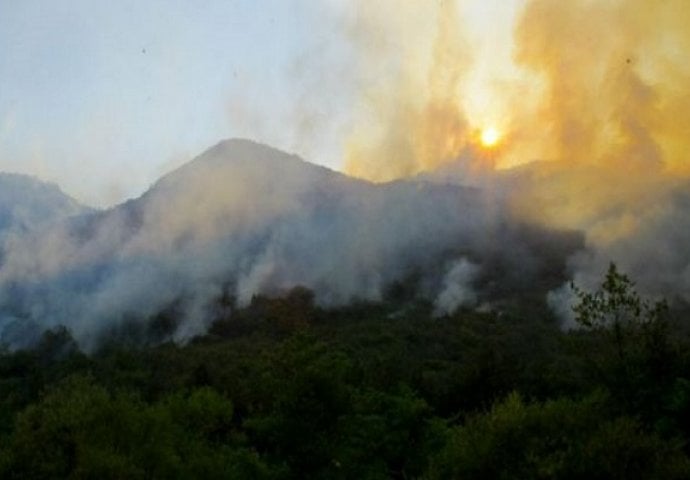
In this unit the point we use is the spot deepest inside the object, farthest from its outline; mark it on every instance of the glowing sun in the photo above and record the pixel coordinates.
(489, 137)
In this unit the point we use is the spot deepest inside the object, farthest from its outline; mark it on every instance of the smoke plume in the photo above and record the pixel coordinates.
(595, 130)
(457, 288)
(412, 118)
(593, 139)
(244, 219)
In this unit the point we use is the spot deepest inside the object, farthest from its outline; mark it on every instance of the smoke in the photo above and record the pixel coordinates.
(412, 117)
(457, 288)
(614, 84)
(592, 114)
(593, 139)
(614, 78)
(244, 219)
(593, 83)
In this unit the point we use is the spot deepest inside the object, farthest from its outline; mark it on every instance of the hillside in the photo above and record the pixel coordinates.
(283, 389)
(255, 316)
(244, 219)
(27, 203)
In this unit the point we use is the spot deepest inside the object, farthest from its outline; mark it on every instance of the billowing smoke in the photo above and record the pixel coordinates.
(457, 288)
(411, 113)
(593, 139)
(244, 219)
(593, 124)
(594, 83)
(615, 86)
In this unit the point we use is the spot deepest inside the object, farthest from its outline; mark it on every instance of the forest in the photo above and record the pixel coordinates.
(284, 389)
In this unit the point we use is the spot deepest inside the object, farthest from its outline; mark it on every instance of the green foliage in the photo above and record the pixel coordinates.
(618, 308)
(615, 302)
(79, 430)
(640, 364)
(557, 439)
(283, 389)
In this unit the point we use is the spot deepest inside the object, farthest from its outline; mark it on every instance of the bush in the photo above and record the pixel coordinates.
(557, 439)
(79, 430)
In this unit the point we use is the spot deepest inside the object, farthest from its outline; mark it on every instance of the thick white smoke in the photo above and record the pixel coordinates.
(244, 219)
(650, 243)
(641, 223)
(457, 288)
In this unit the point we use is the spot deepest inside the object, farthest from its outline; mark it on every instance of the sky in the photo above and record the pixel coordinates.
(103, 97)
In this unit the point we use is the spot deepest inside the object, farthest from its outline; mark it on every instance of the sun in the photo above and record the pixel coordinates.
(489, 137)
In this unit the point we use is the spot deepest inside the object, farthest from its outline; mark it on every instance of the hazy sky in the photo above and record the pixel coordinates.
(103, 97)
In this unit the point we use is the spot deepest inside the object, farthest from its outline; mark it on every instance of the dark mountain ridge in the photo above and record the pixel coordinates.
(26, 202)
(244, 219)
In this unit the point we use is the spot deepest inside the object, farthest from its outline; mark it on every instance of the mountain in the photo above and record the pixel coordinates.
(244, 219)
(27, 203)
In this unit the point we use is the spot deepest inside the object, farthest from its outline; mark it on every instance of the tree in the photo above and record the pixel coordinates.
(618, 308)
(641, 367)
(81, 430)
(562, 438)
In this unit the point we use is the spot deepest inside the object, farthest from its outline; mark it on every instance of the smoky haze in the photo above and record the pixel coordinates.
(593, 124)
(244, 219)
(593, 139)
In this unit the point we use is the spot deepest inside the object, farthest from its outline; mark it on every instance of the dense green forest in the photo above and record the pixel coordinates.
(283, 389)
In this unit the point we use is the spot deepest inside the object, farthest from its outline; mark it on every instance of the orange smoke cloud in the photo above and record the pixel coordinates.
(602, 83)
(613, 86)
(413, 121)
(614, 81)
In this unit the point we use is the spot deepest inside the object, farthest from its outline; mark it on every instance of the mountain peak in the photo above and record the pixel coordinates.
(244, 145)
(242, 151)
(244, 219)
(238, 163)
(26, 201)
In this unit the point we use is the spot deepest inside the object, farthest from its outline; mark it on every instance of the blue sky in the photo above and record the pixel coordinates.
(103, 97)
